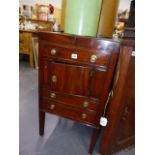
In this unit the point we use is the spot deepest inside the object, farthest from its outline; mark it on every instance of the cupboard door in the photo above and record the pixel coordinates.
(70, 79)
(73, 79)
(97, 82)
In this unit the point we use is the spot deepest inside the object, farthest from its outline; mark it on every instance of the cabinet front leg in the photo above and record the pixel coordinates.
(41, 123)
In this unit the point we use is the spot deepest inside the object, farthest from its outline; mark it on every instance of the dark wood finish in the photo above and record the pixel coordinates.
(120, 131)
(67, 99)
(69, 112)
(73, 84)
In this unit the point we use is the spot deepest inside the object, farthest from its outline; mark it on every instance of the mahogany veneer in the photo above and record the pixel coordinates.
(75, 75)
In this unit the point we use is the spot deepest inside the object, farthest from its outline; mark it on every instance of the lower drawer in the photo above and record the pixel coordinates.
(72, 100)
(83, 116)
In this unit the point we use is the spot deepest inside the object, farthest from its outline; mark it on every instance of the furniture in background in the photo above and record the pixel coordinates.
(27, 31)
(35, 50)
(42, 14)
(25, 45)
(38, 24)
(120, 131)
(75, 75)
(36, 20)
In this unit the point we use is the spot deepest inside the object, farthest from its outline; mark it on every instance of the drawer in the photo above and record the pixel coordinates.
(24, 47)
(76, 114)
(71, 100)
(24, 37)
(76, 54)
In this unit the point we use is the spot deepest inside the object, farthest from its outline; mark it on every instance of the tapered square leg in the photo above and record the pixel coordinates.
(94, 137)
(41, 123)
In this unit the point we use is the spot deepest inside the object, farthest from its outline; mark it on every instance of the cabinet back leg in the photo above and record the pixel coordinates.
(94, 137)
(41, 123)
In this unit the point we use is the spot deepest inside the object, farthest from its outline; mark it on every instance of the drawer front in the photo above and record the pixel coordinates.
(74, 101)
(84, 116)
(88, 56)
(24, 37)
(24, 47)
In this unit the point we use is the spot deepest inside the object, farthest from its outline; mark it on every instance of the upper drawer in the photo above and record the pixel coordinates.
(76, 54)
(24, 37)
(24, 47)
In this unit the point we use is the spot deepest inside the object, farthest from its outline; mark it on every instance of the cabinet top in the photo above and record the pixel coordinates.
(76, 40)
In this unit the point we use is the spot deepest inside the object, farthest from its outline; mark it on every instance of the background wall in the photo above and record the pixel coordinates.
(124, 4)
(56, 3)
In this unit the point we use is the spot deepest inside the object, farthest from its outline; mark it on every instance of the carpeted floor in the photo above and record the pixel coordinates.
(62, 136)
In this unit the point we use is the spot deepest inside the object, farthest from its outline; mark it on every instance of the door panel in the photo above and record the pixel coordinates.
(74, 80)
(97, 82)
(70, 79)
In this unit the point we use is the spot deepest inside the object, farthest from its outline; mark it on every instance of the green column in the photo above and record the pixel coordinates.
(82, 17)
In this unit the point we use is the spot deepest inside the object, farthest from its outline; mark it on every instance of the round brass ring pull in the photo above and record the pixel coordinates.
(93, 58)
(53, 95)
(53, 51)
(85, 104)
(83, 116)
(54, 78)
(52, 106)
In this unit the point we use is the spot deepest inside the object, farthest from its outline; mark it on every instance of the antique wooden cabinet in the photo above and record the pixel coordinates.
(75, 75)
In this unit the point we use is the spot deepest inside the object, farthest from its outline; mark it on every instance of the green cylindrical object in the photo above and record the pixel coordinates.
(82, 17)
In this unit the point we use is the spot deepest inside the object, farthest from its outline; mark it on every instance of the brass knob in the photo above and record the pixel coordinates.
(53, 51)
(93, 58)
(53, 95)
(54, 78)
(83, 116)
(52, 106)
(85, 104)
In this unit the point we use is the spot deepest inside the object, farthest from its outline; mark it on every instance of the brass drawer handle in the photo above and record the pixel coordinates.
(83, 116)
(85, 104)
(53, 51)
(54, 78)
(52, 106)
(53, 95)
(93, 58)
